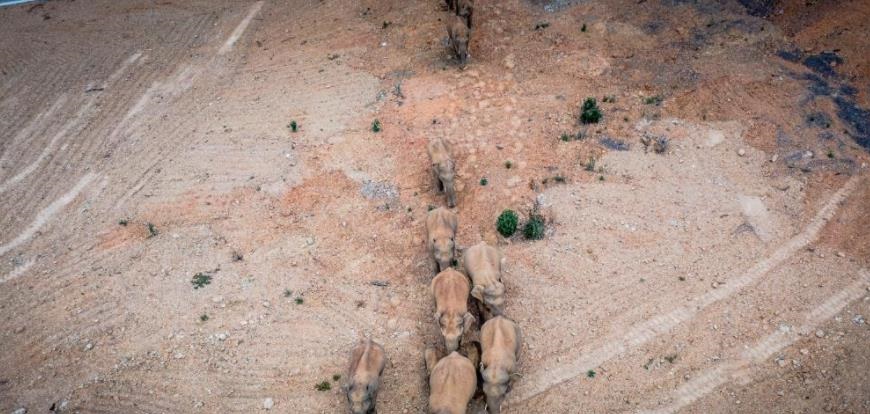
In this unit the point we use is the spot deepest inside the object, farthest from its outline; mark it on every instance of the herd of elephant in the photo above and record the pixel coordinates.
(494, 346)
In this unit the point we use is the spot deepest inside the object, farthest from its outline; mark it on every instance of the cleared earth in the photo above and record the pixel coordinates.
(143, 143)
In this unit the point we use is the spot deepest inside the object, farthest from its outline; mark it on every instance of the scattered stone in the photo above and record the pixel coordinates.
(804, 351)
(381, 283)
(268, 403)
(89, 346)
(221, 336)
(841, 254)
(21, 410)
(19, 329)
(858, 319)
(820, 333)
(714, 285)
(266, 304)
(741, 152)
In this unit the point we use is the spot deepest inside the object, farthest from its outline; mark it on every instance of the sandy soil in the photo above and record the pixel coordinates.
(142, 143)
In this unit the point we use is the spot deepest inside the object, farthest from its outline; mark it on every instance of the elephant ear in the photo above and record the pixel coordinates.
(477, 293)
(467, 320)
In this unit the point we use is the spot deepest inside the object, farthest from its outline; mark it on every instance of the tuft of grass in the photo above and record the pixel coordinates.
(507, 223)
(386, 24)
(559, 179)
(288, 293)
(831, 154)
(590, 374)
(590, 113)
(653, 100)
(323, 386)
(542, 25)
(336, 377)
(600, 178)
(508, 164)
(376, 126)
(203, 317)
(430, 207)
(590, 165)
(565, 137)
(671, 358)
(681, 278)
(152, 230)
(625, 119)
(237, 256)
(200, 280)
(123, 222)
(299, 301)
(484, 181)
(294, 127)
(534, 228)
(583, 28)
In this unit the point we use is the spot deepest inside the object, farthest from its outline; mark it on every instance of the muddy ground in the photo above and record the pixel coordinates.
(144, 143)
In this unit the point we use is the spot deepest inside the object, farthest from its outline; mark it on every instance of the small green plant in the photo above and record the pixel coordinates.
(590, 165)
(288, 293)
(508, 164)
(203, 317)
(590, 374)
(123, 222)
(559, 179)
(542, 25)
(625, 119)
(507, 223)
(386, 24)
(831, 154)
(534, 228)
(565, 137)
(583, 28)
(671, 358)
(323, 386)
(653, 100)
(152, 230)
(299, 301)
(484, 181)
(200, 280)
(238, 256)
(590, 113)
(376, 126)
(336, 377)
(430, 207)
(294, 127)
(600, 178)
(681, 278)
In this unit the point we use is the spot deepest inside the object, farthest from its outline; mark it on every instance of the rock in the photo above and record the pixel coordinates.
(804, 351)
(841, 254)
(858, 319)
(266, 304)
(820, 333)
(89, 346)
(221, 336)
(268, 403)
(21, 410)
(741, 152)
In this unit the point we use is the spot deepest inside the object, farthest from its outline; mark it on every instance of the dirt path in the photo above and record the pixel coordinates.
(144, 143)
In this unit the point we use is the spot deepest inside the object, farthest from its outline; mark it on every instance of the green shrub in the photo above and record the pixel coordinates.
(323, 386)
(294, 126)
(484, 181)
(376, 126)
(589, 112)
(534, 228)
(152, 230)
(508, 164)
(507, 223)
(200, 280)
(653, 100)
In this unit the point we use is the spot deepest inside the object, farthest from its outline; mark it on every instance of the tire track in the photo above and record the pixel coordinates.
(545, 379)
(240, 29)
(709, 380)
(45, 215)
(81, 114)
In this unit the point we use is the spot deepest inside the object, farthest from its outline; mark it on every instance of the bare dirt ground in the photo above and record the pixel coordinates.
(143, 142)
